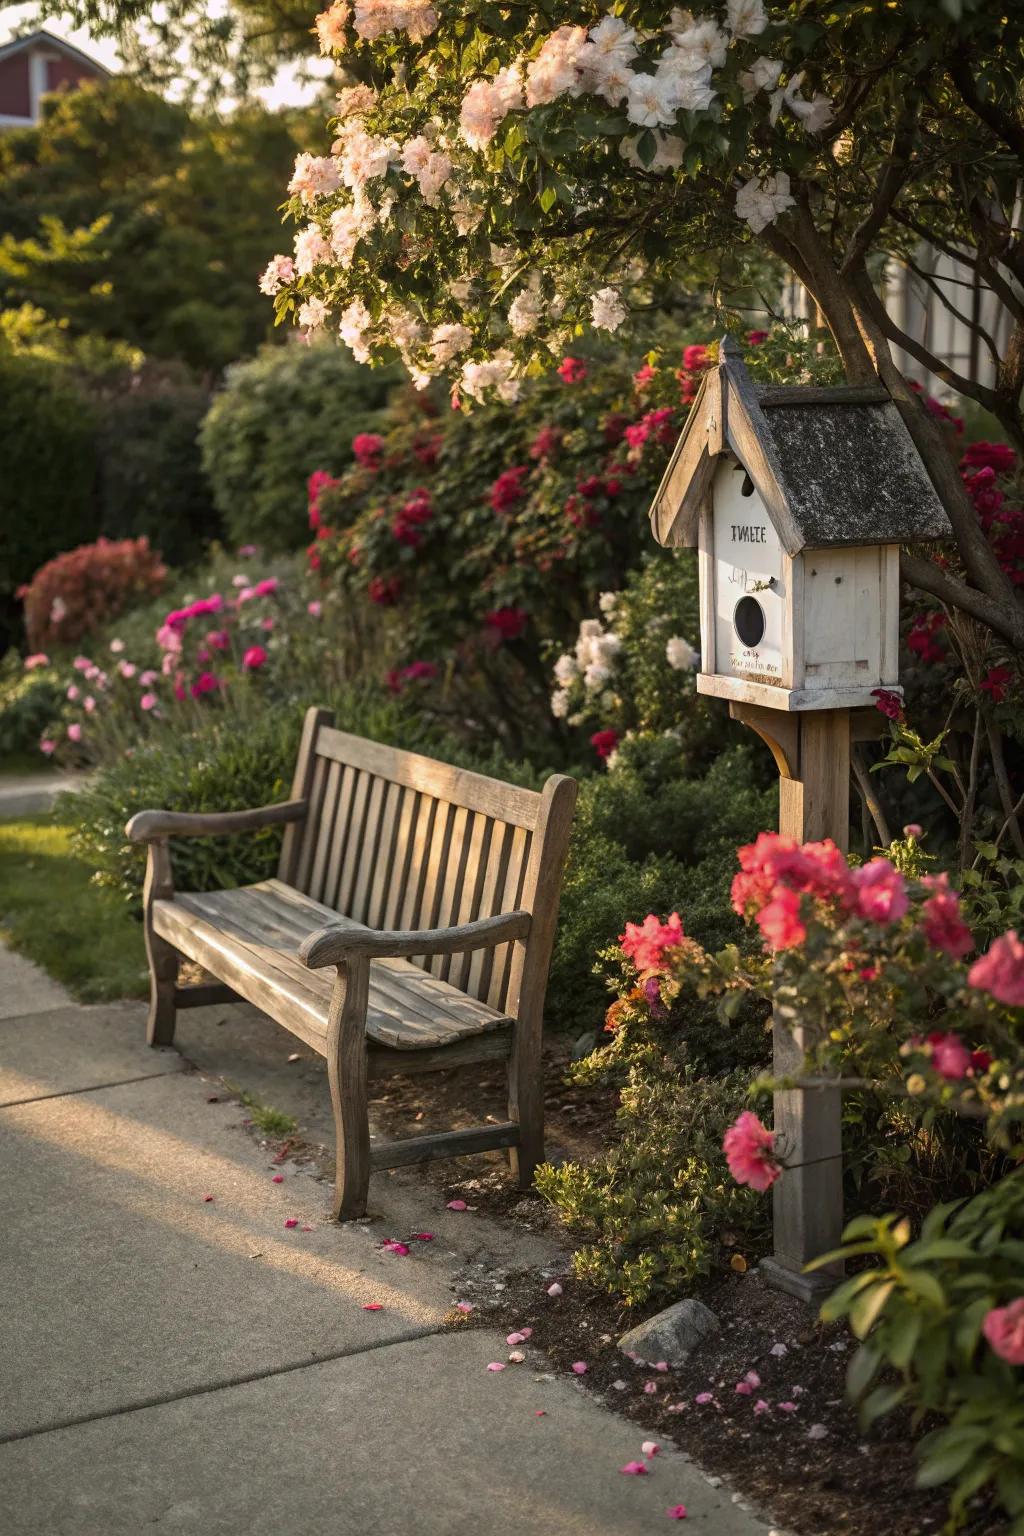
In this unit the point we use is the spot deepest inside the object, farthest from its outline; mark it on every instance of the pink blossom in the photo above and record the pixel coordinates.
(579, 1367)
(457, 1205)
(277, 1178)
(881, 892)
(81, 663)
(206, 682)
(780, 922)
(74, 731)
(703, 1398)
(72, 692)
(634, 1469)
(464, 1306)
(645, 943)
(314, 609)
(247, 551)
(676, 1512)
(650, 1387)
(572, 370)
(291, 1221)
(148, 678)
(650, 1448)
(496, 1365)
(950, 1057)
(786, 1407)
(89, 704)
(47, 746)
(267, 624)
(944, 928)
(127, 668)
(1000, 972)
(367, 448)
(752, 1379)
(744, 1389)
(659, 1365)
(761, 1407)
(554, 1289)
(1004, 1329)
(37, 659)
(148, 701)
(506, 624)
(749, 1150)
(391, 1246)
(373, 1306)
(217, 640)
(254, 658)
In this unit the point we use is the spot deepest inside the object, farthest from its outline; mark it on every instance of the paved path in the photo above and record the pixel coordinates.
(196, 1366)
(28, 794)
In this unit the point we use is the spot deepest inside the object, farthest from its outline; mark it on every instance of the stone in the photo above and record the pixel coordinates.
(585, 1045)
(671, 1335)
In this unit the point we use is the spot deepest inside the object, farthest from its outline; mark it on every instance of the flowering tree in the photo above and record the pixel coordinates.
(502, 177)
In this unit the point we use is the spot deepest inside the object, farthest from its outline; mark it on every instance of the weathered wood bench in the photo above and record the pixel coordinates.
(427, 894)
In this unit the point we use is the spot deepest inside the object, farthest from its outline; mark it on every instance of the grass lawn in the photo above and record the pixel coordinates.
(51, 913)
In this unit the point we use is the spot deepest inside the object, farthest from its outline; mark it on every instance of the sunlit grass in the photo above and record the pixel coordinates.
(50, 912)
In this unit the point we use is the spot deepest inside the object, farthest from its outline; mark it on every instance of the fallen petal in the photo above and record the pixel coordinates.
(457, 1205)
(677, 1512)
(516, 1338)
(634, 1469)
(517, 1357)
(277, 1178)
(496, 1365)
(786, 1407)
(744, 1388)
(704, 1397)
(540, 1413)
(555, 1289)
(660, 1365)
(817, 1432)
(619, 1386)
(675, 1408)
(207, 1198)
(650, 1448)
(650, 1387)
(579, 1367)
(527, 1333)
(464, 1306)
(778, 1350)
(422, 1237)
(752, 1379)
(373, 1306)
(761, 1407)
(291, 1221)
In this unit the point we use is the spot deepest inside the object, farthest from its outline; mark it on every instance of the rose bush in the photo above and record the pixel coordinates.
(75, 594)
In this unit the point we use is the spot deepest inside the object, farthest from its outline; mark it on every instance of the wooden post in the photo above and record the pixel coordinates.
(812, 752)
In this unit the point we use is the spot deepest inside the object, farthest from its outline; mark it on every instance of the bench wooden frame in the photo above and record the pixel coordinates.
(471, 866)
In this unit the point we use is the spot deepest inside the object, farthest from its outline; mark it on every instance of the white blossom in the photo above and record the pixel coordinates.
(313, 313)
(486, 105)
(560, 703)
(763, 75)
(525, 311)
(595, 675)
(745, 18)
(494, 373)
(362, 156)
(314, 176)
(760, 200)
(679, 653)
(330, 27)
(375, 17)
(356, 321)
(281, 270)
(652, 101)
(355, 101)
(607, 310)
(703, 42)
(608, 602)
(565, 669)
(446, 341)
(311, 250)
(554, 71)
(815, 114)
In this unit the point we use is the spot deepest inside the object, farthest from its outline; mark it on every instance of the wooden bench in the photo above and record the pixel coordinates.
(409, 928)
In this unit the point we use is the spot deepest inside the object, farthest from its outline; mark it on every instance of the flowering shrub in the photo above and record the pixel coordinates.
(75, 594)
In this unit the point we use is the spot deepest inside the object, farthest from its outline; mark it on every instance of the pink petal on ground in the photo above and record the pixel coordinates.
(292, 1221)
(677, 1512)
(517, 1357)
(752, 1379)
(631, 1354)
(373, 1306)
(744, 1389)
(704, 1397)
(392, 1247)
(457, 1205)
(555, 1290)
(423, 1237)
(675, 1408)
(307, 1229)
(650, 1387)
(579, 1367)
(496, 1365)
(786, 1407)
(761, 1407)
(634, 1469)
(207, 1198)
(650, 1448)
(277, 1178)
(540, 1413)
(464, 1306)
(660, 1365)
(527, 1333)
(516, 1338)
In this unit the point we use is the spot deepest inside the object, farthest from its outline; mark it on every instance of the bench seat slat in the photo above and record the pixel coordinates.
(250, 937)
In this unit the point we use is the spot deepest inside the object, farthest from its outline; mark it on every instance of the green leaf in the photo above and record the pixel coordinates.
(547, 199)
(865, 1310)
(861, 1370)
(947, 1461)
(902, 1335)
(881, 1401)
(926, 1286)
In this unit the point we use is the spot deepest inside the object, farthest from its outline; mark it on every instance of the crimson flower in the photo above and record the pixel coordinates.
(994, 683)
(572, 370)
(604, 743)
(506, 623)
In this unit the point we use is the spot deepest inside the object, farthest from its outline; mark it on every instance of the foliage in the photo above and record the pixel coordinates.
(47, 448)
(75, 594)
(920, 1313)
(127, 218)
(659, 1210)
(287, 412)
(28, 701)
(150, 477)
(52, 912)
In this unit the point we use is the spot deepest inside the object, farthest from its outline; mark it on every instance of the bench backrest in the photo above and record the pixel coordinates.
(400, 841)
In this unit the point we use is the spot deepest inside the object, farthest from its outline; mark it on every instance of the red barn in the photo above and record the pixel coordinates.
(32, 66)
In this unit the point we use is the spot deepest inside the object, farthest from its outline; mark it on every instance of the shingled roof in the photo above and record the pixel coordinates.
(833, 466)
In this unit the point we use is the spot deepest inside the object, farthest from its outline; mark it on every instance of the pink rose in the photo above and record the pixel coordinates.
(950, 1057)
(749, 1149)
(38, 659)
(148, 701)
(254, 658)
(881, 892)
(74, 731)
(47, 747)
(1004, 1330)
(314, 609)
(1000, 972)
(944, 928)
(645, 943)
(780, 921)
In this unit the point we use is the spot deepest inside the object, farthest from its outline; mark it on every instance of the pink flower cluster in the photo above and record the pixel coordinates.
(412, 517)
(508, 490)
(646, 943)
(415, 672)
(367, 447)
(1000, 972)
(749, 1149)
(1004, 1329)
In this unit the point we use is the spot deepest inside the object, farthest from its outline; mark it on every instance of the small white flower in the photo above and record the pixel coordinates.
(608, 602)
(607, 310)
(560, 703)
(680, 654)
(760, 200)
(745, 18)
(565, 669)
(313, 313)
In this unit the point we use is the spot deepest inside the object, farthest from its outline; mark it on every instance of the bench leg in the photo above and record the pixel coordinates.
(163, 979)
(163, 957)
(526, 1104)
(346, 1071)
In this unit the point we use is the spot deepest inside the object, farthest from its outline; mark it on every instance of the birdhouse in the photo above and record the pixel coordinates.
(797, 499)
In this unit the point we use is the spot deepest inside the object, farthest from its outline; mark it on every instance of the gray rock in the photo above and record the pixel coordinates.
(671, 1335)
(586, 1045)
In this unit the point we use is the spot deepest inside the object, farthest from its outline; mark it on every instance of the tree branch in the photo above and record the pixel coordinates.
(897, 169)
(1006, 620)
(1001, 123)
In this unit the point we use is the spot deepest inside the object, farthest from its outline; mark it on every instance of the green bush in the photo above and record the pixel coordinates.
(920, 1314)
(289, 411)
(28, 702)
(48, 500)
(151, 476)
(660, 1209)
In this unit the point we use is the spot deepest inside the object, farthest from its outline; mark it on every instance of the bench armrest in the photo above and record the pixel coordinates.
(335, 946)
(146, 826)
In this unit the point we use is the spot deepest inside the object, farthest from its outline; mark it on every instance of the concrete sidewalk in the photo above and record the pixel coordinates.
(197, 1365)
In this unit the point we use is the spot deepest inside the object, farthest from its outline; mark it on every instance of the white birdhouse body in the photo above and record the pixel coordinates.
(798, 500)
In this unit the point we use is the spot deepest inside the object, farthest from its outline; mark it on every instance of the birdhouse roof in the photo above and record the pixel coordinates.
(833, 466)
